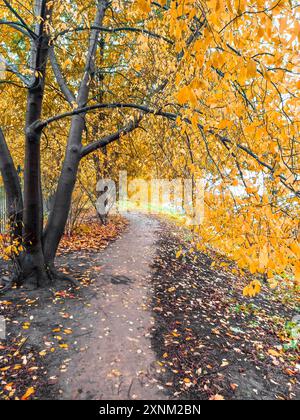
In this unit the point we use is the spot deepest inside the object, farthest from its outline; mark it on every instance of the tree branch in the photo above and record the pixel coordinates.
(42, 124)
(12, 188)
(68, 94)
(18, 26)
(105, 141)
(13, 69)
(20, 19)
(115, 30)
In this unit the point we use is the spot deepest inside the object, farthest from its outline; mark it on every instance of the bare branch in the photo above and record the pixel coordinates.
(13, 69)
(115, 30)
(20, 19)
(18, 26)
(68, 94)
(42, 124)
(105, 141)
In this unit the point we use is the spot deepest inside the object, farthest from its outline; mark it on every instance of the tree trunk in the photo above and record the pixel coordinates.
(13, 190)
(59, 214)
(32, 261)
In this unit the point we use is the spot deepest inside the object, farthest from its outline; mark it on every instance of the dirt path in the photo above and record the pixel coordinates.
(147, 325)
(115, 359)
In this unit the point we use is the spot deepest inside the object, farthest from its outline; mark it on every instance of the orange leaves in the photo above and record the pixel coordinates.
(297, 273)
(144, 5)
(93, 236)
(30, 391)
(225, 124)
(217, 397)
(251, 69)
(187, 95)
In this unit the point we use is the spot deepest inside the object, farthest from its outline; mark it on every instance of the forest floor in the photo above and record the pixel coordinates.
(147, 325)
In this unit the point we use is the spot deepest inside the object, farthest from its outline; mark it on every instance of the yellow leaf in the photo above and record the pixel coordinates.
(274, 353)
(273, 283)
(178, 254)
(217, 397)
(251, 69)
(295, 247)
(64, 346)
(144, 5)
(252, 289)
(183, 95)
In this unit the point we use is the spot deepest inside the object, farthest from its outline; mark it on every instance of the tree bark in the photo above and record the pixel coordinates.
(32, 262)
(12, 188)
(59, 214)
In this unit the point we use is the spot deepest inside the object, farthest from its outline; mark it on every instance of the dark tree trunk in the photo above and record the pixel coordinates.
(13, 190)
(59, 214)
(32, 262)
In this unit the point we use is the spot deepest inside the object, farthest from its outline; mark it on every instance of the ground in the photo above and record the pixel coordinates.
(146, 325)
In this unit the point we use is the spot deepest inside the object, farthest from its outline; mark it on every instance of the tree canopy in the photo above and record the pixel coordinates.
(204, 89)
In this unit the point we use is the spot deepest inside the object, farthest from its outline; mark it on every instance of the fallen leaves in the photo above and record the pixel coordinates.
(207, 331)
(252, 289)
(93, 236)
(217, 397)
(30, 391)
(274, 353)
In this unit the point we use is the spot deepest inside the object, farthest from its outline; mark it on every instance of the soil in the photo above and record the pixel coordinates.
(212, 342)
(144, 325)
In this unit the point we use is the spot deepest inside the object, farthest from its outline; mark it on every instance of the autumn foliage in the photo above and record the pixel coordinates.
(197, 89)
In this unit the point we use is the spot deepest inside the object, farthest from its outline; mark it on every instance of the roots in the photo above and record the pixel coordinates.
(55, 275)
(35, 278)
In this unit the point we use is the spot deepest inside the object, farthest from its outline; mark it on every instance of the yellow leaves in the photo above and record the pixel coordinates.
(179, 254)
(273, 353)
(162, 2)
(272, 283)
(56, 330)
(30, 391)
(295, 247)
(251, 69)
(252, 289)
(144, 5)
(240, 5)
(64, 346)
(225, 124)
(264, 257)
(67, 63)
(297, 273)
(183, 95)
(187, 95)
(251, 190)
